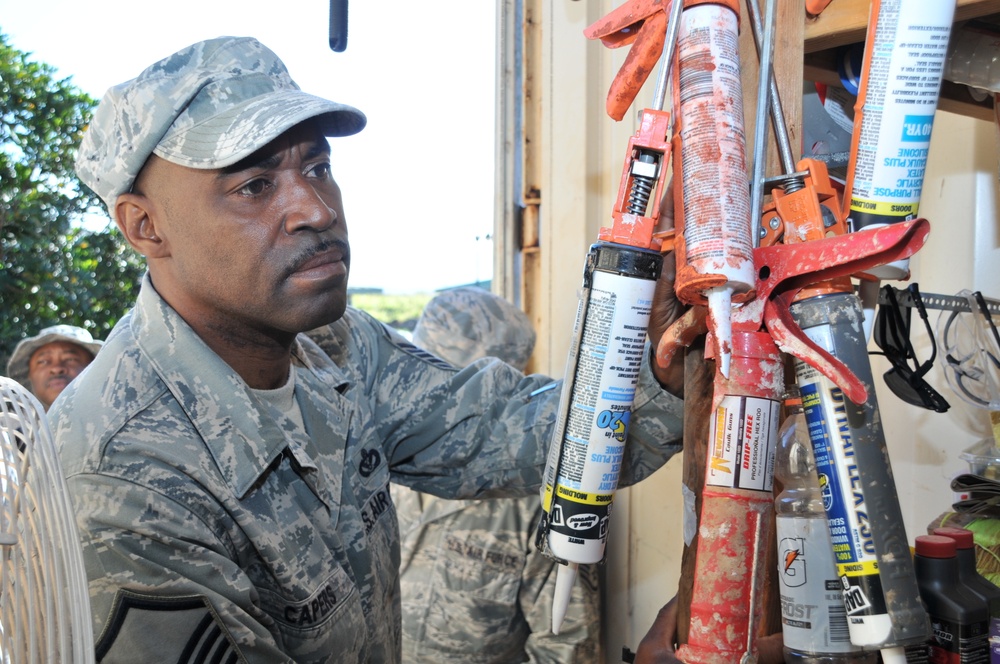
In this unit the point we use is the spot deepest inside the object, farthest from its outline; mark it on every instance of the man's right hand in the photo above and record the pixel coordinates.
(666, 307)
(660, 643)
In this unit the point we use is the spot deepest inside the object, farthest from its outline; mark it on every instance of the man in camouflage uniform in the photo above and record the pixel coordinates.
(48, 361)
(230, 475)
(475, 589)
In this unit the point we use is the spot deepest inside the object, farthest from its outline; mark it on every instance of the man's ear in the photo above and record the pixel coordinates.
(137, 222)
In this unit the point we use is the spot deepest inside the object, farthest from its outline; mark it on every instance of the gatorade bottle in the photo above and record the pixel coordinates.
(813, 616)
(965, 553)
(959, 619)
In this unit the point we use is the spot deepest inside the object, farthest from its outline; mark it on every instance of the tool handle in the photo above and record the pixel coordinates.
(786, 270)
(338, 25)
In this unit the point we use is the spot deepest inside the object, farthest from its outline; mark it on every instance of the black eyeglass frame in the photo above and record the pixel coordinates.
(891, 333)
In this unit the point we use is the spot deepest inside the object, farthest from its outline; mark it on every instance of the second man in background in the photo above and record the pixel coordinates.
(475, 589)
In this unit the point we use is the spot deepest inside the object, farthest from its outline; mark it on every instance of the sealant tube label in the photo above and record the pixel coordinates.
(901, 82)
(713, 146)
(741, 454)
(610, 354)
(868, 540)
(843, 495)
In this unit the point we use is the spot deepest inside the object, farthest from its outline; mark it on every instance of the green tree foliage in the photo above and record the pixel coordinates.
(399, 311)
(54, 268)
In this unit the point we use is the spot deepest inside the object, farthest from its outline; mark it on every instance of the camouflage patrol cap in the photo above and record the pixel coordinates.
(207, 106)
(462, 325)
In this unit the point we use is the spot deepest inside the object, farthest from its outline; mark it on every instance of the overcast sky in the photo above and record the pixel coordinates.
(417, 182)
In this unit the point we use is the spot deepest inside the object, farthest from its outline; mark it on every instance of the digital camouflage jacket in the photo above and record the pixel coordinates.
(215, 529)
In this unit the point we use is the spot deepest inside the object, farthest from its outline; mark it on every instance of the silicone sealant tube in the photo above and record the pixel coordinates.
(588, 444)
(859, 494)
(903, 64)
(718, 247)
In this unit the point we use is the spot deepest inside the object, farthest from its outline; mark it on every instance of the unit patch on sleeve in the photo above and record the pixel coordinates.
(198, 634)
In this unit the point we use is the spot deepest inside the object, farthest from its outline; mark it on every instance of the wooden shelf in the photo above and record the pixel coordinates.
(821, 67)
(845, 22)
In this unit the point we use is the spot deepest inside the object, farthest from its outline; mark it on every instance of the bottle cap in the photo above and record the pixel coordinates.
(792, 395)
(935, 546)
(964, 539)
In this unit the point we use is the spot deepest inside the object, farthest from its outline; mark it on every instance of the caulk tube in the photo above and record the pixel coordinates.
(715, 257)
(904, 61)
(859, 494)
(588, 444)
(735, 524)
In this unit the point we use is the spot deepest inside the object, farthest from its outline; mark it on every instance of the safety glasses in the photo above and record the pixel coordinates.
(892, 335)
(970, 344)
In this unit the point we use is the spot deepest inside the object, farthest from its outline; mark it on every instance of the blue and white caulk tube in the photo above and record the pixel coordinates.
(588, 444)
(902, 68)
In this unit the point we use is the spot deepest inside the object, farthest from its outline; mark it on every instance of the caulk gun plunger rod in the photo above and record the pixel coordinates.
(565, 578)
(670, 45)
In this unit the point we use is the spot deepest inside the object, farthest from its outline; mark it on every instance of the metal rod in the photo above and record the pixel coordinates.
(748, 657)
(765, 53)
(943, 302)
(669, 45)
(777, 112)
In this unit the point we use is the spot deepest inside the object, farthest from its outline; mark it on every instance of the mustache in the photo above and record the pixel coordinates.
(326, 245)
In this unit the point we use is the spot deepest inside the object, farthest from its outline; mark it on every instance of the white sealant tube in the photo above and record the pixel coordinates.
(588, 445)
(904, 62)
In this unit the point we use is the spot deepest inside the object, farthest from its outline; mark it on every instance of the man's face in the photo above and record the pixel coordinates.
(53, 366)
(256, 249)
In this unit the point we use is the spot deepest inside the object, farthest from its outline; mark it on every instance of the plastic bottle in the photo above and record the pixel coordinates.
(974, 56)
(959, 618)
(813, 618)
(965, 553)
